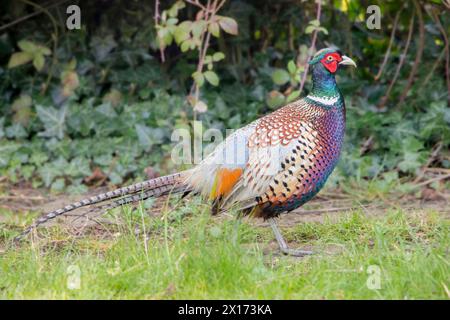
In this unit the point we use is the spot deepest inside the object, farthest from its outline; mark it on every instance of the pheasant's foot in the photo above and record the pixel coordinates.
(282, 243)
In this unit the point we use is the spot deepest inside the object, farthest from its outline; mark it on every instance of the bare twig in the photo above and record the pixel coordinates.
(419, 53)
(22, 197)
(157, 17)
(313, 45)
(388, 51)
(47, 6)
(439, 178)
(198, 4)
(399, 66)
(437, 170)
(433, 68)
(447, 52)
(430, 160)
(446, 3)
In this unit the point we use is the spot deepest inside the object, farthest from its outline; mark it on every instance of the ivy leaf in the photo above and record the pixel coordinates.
(38, 158)
(19, 58)
(102, 46)
(78, 167)
(58, 185)
(143, 134)
(280, 76)
(53, 120)
(212, 77)
(229, 25)
(148, 136)
(115, 178)
(410, 163)
(47, 174)
(77, 189)
(16, 131)
(106, 110)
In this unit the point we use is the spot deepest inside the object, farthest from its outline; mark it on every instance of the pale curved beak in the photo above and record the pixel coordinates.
(346, 61)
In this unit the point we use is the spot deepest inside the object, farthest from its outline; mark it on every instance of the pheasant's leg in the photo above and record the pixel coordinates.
(282, 243)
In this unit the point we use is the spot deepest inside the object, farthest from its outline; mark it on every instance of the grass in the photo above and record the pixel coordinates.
(204, 257)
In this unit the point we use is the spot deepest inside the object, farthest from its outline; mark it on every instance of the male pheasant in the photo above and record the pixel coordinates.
(273, 165)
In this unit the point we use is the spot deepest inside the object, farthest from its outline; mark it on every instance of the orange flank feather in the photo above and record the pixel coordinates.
(225, 181)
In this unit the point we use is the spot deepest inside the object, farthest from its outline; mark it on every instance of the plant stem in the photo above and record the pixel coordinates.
(388, 51)
(313, 45)
(157, 16)
(399, 66)
(419, 53)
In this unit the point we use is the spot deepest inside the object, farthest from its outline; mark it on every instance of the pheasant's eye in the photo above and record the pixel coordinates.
(330, 58)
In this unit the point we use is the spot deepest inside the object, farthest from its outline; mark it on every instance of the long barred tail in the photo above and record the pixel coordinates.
(141, 196)
(157, 187)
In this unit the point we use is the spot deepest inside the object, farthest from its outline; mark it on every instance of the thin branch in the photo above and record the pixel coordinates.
(198, 4)
(419, 53)
(447, 53)
(210, 13)
(47, 6)
(433, 68)
(313, 45)
(399, 66)
(388, 51)
(443, 177)
(157, 17)
(437, 148)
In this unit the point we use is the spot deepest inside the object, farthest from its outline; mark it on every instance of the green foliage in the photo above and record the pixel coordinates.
(106, 101)
(314, 25)
(195, 35)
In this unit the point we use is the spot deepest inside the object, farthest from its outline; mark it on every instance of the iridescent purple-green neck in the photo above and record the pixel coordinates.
(324, 82)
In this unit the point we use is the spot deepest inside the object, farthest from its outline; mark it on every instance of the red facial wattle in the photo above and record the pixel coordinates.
(331, 64)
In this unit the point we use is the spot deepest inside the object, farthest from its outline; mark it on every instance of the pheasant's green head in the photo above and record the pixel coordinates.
(331, 60)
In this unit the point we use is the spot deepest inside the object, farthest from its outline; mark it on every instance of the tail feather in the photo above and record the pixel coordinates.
(136, 192)
(141, 196)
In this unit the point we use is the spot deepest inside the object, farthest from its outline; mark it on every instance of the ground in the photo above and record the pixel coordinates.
(384, 249)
